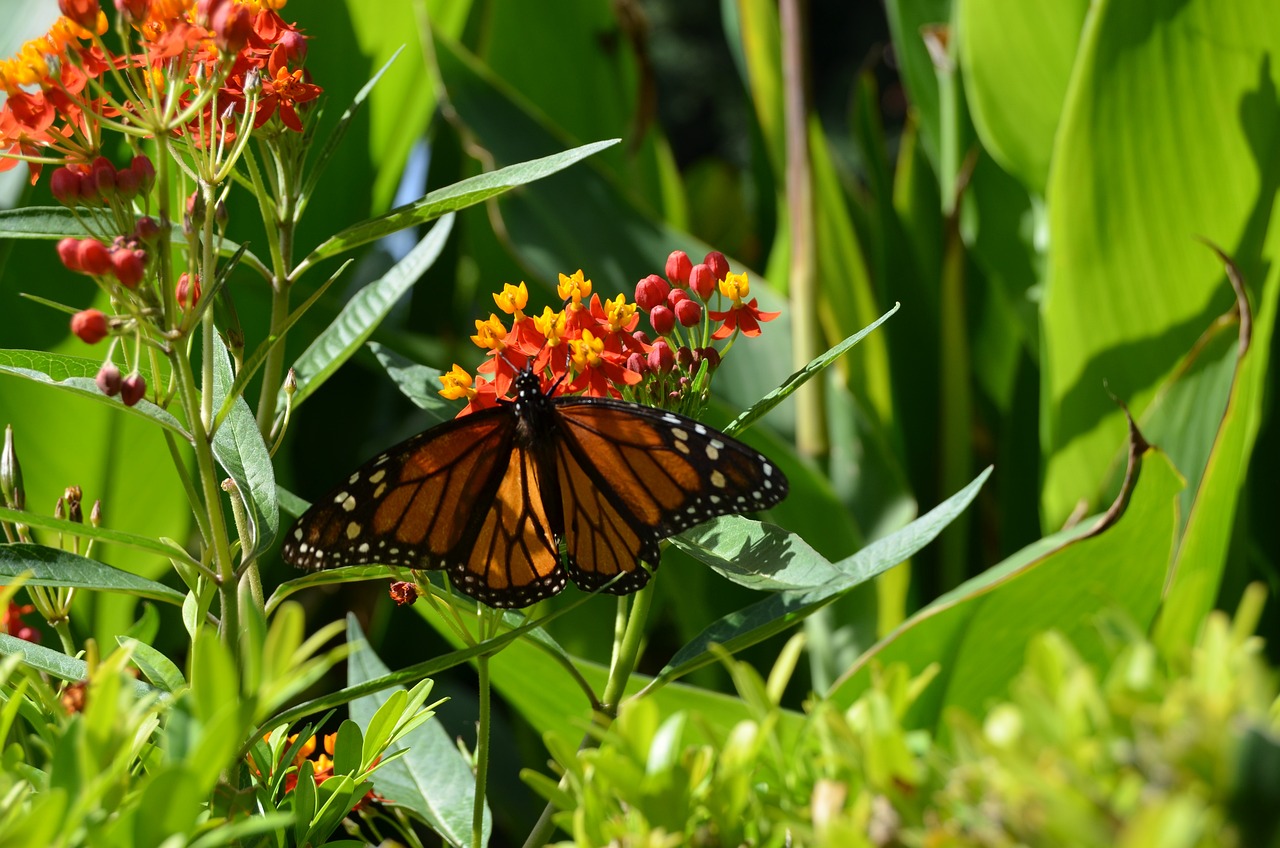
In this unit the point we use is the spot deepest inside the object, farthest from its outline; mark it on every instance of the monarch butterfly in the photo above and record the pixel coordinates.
(491, 496)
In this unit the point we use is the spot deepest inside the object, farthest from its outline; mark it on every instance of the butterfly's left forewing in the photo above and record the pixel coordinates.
(415, 505)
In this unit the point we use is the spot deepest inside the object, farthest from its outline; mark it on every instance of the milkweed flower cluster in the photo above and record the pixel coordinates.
(190, 83)
(594, 346)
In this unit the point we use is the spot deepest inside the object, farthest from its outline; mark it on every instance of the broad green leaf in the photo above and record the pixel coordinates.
(419, 383)
(362, 314)
(432, 779)
(452, 198)
(57, 663)
(1017, 61)
(243, 454)
(158, 668)
(47, 222)
(1146, 159)
(329, 577)
(978, 632)
(75, 374)
(756, 555)
(784, 610)
(88, 531)
(1214, 462)
(400, 105)
(54, 567)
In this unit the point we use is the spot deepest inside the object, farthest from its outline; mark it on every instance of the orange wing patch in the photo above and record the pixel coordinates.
(515, 560)
(601, 543)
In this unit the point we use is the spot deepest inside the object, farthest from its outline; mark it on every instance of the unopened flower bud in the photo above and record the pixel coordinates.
(637, 363)
(126, 184)
(109, 379)
(702, 280)
(133, 388)
(11, 489)
(129, 266)
(187, 290)
(220, 214)
(688, 312)
(133, 10)
(94, 258)
(69, 254)
(95, 514)
(291, 382)
(90, 325)
(651, 291)
(661, 359)
(145, 171)
(72, 496)
(642, 337)
(675, 296)
(662, 319)
(678, 266)
(684, 358)
(195, 210)
(718, 264)
(83, 12)
(104, 177)
(146, 230)
(712, 357)
(65, 185)
(293, 45)
(252, 82)
(404, 593)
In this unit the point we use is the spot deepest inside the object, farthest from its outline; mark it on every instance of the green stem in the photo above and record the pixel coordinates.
(627, 654)
(482, 753)
(211, 494)
(273, 368)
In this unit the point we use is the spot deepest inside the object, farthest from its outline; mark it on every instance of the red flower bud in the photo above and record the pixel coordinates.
(127, 183)
(108, 379)
(718, 264)
(642, 337)
(712, 356)
(661, 359)
(651, 291)
(678, 266)
(232, 25)
(65, 185)
(129, 266)
(146, 230)
(675, 296)
(188, 287)
(637, 363)
(662, 319)
(94, 257)
(132, 389)
(702, 280)
(83, 12)
(133, 10)
(69, 253)
(88, 187)
(688, 312)
(145, 171)
(90, 325)
(104, 177)
(293, 46)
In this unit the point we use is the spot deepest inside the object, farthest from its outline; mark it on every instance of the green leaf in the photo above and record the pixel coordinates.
(978, 632)
(362, 314)
(1144, 161)
(243, 454)
(329, 577)
(75, 374)
(779, 612)
(54, 567)
(419, 383)
(756, 555)
(799, 378)
(432, 779)
(452, 198)
(57, 663)
(158, 668)
(88, 531)
(1017, 61)
(49, 222)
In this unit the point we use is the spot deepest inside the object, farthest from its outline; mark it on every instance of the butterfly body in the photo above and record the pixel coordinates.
(491, 497)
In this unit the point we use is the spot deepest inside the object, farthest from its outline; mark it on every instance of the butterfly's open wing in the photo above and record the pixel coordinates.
(631, 476)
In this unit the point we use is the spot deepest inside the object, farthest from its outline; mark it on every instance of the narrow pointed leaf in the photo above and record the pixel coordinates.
(243, 454)
(54, 567)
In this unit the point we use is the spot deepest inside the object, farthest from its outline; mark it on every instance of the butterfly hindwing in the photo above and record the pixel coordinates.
(513, 559)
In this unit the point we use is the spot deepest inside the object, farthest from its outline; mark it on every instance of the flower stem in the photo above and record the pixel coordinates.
(627, 653)
(482, 753)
